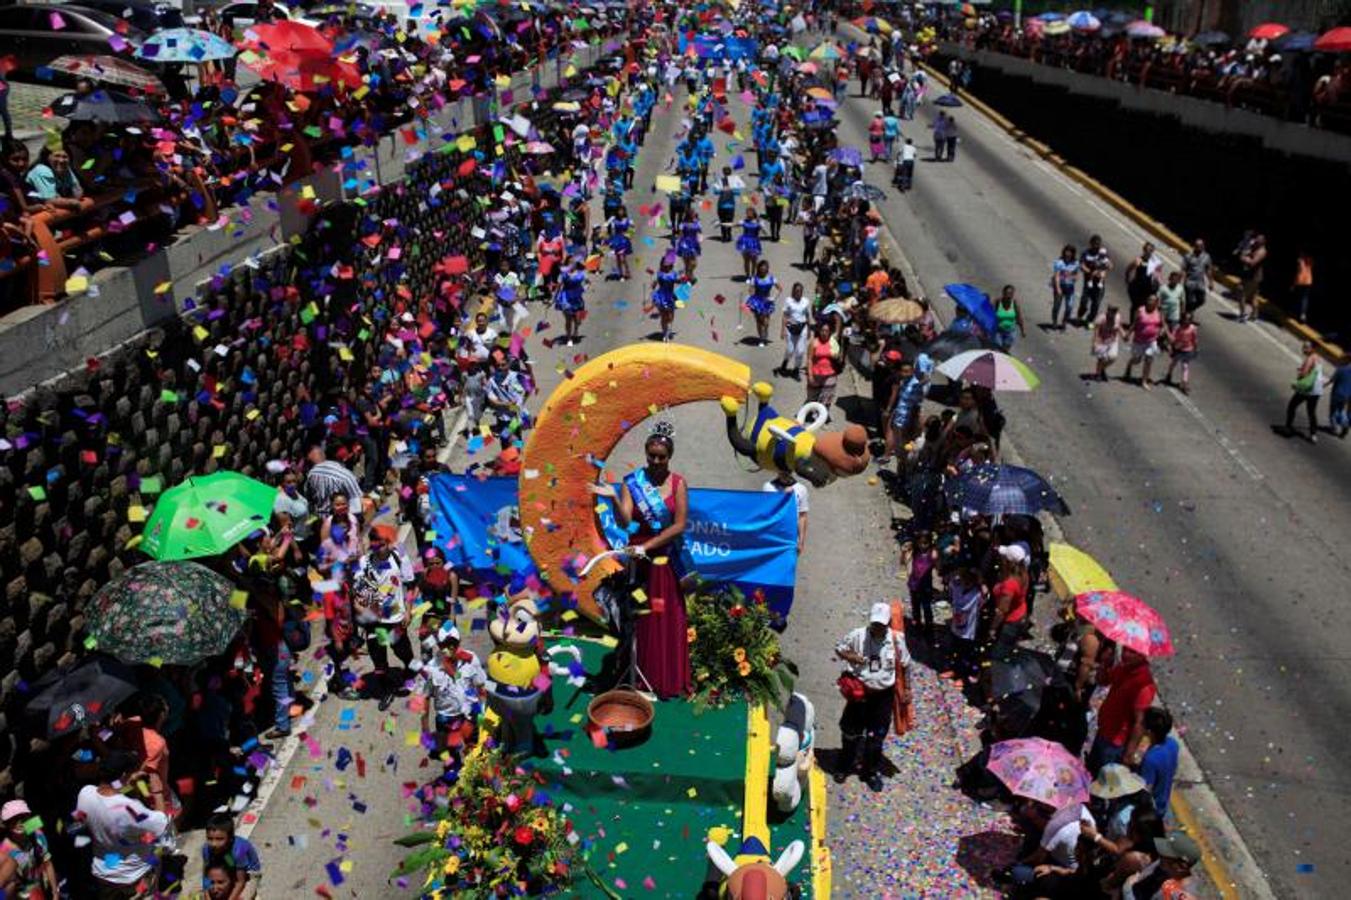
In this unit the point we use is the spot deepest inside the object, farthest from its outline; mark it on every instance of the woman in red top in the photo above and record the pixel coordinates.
(1010, 601)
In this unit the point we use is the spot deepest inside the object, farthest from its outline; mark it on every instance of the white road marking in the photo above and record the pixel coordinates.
(1220, 437)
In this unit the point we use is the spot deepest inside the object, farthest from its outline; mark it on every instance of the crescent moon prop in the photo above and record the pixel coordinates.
(583, 419)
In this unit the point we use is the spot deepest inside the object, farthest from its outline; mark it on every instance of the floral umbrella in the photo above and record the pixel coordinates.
(992, 369)
(205, 515)
(1040, 770)
(1128, 620)
(174, 613)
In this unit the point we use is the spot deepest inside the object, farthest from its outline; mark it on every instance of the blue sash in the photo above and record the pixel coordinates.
(650, 505)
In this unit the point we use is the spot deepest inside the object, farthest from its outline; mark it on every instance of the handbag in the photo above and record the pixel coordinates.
(851, 687)
(1306, 383)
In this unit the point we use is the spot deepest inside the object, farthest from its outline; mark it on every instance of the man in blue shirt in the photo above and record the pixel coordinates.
(705, 149)
(1159, 765)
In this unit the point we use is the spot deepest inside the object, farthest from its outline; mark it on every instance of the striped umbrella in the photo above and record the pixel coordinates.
(1127, 620)
(327, 479)
(1143, 30)
(1000, 490)
(992, 369)
(109, 70)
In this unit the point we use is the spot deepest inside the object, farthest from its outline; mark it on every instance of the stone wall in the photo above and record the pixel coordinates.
(221, 388)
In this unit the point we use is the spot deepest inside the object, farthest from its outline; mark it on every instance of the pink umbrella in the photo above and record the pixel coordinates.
(1129, 621)
(1268, 31)
(1040, 770)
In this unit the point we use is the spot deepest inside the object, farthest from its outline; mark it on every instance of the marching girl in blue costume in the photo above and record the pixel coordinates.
(571, 300)
(759, 300)
(663, 295)
(620, 226)
(749, 242)
(688, 243)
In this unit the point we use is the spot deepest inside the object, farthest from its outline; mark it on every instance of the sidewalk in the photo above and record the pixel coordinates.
(26, 103)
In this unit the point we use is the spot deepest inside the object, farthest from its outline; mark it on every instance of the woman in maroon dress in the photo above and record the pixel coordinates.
(656, 499)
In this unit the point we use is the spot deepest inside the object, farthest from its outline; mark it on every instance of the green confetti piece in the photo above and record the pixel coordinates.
(38, 492)
(151, 484)
(168, 396)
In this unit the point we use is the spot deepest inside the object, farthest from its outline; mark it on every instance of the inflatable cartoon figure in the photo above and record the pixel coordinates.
(518, 684)
(755, 878)
(793, 445)
(794, 753)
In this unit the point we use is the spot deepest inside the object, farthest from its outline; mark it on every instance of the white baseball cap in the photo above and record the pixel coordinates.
(880, 613)
(1013, 553)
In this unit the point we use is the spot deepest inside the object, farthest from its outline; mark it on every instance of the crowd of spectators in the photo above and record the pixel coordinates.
(176, 158)
(1297, 85)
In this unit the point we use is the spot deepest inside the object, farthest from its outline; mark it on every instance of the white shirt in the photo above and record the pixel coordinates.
(821, 180)
(482, 342)
(1061, 835)
(797, 489)
(453, 694)
(378, 589)
(117, 827)
(796, 312)
(879, 672)
(907, 153)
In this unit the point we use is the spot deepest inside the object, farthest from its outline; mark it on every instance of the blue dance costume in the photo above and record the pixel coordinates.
(749, 242)
(571, 296)
(619, 235)
(760, 302)
(663, 297)
(687, 246)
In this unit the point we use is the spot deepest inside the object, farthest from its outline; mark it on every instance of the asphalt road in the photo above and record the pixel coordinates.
(331, 815)
(1193, 503)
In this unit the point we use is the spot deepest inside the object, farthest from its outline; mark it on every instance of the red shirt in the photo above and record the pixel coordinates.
(1012, 587)
(1130, 690)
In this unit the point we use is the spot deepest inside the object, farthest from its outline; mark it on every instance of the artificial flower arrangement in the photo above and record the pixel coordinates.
(734, 651)
(494, 833)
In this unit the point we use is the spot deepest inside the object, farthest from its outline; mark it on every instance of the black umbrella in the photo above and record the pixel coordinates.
(1017, 684)
(112, 107)
(66, 701)
(1212, 39)
(950, 343)
(861, 191)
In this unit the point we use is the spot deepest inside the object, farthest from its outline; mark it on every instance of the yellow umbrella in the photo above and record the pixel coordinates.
(1074, 572)
(820, 93)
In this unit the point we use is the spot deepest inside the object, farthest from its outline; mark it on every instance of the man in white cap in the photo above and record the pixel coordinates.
(873, 654)
(451, 682)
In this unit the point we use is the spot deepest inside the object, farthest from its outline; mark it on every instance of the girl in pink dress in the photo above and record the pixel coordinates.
(656, 498)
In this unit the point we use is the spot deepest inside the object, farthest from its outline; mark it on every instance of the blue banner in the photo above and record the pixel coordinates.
(748, 538)
(719, 47)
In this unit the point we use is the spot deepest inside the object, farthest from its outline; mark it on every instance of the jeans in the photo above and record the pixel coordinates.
(951, 144)
(1003, 340)
(1104, 753)
(1090, 302)
(280, 676)
(1340, 411)
(1195, 297)
(1066, 296)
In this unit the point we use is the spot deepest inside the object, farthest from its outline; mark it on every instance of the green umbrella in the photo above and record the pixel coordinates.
(166, 613)
(206, 515)
(793, 53)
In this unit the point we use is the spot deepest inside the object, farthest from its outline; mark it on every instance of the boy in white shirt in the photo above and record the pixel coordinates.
(452, 681)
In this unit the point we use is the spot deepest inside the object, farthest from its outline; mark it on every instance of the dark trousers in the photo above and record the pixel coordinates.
(1090, 302)
(809, 251)
(1195, 298)
(922, 606)
(863, 726)
(1310, 402)
(774, 213)
(379, 653)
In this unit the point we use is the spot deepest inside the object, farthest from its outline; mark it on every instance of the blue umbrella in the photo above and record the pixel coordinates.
(1084, 20)
(949, 100)
(185, 45)
(975, 303)
(1051, 17)
(847, 156)
(1295, 42)
(999, 490)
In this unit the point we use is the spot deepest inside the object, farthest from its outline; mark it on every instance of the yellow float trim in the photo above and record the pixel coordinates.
(755, 803)
(821, 864)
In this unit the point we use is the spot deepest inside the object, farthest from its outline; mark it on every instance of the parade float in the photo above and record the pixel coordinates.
(607, 793)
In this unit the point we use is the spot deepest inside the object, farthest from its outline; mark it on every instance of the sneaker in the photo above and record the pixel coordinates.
(386, 701)
(276, 734)
(1313, 438)
(874, 782)
(349, 693)
(1242, 318)
(840, 777)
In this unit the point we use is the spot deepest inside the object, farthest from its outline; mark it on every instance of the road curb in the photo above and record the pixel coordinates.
(1328, 348)
(1229, 864)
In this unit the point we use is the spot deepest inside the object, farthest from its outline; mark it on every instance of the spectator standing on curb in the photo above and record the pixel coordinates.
(124, 833)
(1121, 718)
(1198, 275)
(1252, 256)
(1158, 766)
(872, 653)
(1301, 289)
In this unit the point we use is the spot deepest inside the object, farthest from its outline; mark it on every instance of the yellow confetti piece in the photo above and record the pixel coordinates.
(621, 847)
(136, 513)
(345, 355)
(77, 284)
(719, 834)
(200, 333)
(252, 414)
(692, 793)
(219, 451)
(465, 142)
(164, 287)
(156, 661)
(588, 398)
(412, 738)
(639, 595)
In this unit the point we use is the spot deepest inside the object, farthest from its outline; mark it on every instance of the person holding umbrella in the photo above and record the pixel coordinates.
(1121, 718)
(1010, 600)
(873, 654)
